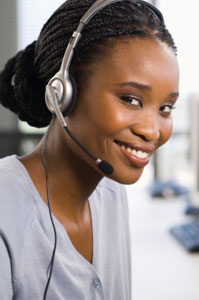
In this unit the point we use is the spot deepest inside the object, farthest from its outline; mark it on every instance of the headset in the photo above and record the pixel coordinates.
(61, 90)
(61, 98)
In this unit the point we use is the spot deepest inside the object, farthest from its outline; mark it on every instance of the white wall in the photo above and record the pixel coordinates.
(32, 14)
(182, 19)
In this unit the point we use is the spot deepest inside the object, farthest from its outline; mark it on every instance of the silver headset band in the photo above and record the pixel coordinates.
(97, 6)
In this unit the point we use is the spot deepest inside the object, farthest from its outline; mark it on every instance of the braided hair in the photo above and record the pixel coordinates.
(23, 80)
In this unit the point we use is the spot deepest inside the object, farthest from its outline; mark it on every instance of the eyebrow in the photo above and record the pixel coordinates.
(142, 86)
(174, 95)
(135, 84)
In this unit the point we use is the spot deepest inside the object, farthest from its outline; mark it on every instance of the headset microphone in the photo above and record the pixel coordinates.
(103, 165)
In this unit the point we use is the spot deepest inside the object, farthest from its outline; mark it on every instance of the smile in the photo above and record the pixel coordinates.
(137, 155)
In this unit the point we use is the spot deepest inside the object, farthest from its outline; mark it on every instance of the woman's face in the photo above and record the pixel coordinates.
(123, 112)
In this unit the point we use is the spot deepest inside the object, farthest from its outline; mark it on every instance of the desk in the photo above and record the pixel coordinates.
(161, 267)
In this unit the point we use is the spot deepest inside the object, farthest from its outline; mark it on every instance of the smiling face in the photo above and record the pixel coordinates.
(124, 110)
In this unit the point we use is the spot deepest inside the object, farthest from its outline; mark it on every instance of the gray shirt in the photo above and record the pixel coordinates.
(26, 244)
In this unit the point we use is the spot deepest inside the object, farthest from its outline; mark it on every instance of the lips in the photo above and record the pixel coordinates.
(137, 154)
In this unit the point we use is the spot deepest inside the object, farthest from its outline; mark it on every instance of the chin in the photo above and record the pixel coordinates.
(127, 178)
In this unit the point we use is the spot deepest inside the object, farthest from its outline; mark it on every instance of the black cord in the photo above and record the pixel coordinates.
(51, 218)
(80, 145)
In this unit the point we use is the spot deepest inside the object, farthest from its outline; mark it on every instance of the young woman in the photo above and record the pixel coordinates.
(126, 75)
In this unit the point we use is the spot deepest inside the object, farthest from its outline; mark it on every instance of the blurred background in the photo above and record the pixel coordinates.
(166, 198)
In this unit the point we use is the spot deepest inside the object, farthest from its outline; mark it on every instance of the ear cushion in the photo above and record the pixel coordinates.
(73, 99)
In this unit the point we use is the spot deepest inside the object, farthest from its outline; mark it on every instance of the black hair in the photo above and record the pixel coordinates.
(23, 80)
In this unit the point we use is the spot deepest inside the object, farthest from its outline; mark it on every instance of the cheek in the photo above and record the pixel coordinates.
(116, 120)
(107, 116)
(166, 129)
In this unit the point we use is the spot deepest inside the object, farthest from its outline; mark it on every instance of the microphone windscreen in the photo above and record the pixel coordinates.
(105, 167)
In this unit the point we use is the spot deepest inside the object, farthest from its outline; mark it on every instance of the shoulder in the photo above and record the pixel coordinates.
(14, 180)
(16, 196)
(9, 177)
(10, 169)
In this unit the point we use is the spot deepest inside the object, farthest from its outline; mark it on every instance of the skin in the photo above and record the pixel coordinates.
(127, 100)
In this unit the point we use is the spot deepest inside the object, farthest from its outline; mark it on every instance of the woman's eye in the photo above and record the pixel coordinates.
(131, 100)
(167, 108)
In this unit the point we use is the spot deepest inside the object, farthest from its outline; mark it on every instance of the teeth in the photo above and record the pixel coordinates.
(138, 153)
(128, 150)
(134, 152)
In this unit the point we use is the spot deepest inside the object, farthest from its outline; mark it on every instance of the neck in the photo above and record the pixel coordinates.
(71, 179)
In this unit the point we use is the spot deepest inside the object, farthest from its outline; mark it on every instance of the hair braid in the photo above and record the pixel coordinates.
(33, 67)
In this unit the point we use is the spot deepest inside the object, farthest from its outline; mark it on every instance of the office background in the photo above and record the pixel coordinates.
(162, 269)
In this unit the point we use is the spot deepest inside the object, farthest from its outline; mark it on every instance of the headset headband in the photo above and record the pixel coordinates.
(94, 9)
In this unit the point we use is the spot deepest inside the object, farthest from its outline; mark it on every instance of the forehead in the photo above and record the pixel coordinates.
(145, 58)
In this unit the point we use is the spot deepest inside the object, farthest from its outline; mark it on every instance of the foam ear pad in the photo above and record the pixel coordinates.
(73, 100)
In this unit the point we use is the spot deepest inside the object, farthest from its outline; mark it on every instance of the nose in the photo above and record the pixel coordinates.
(147, 128)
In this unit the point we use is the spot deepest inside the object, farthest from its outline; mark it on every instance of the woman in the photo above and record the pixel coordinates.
(126, 75)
